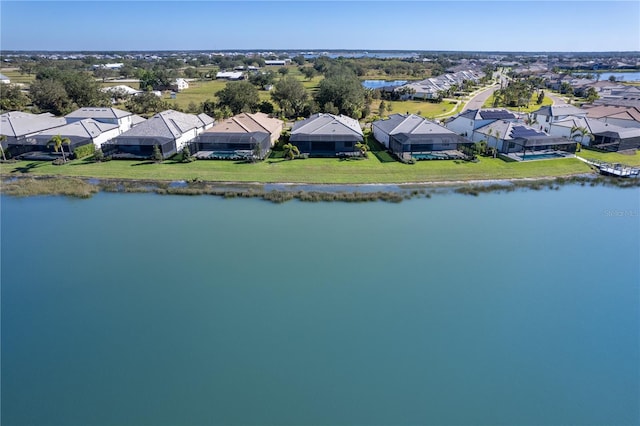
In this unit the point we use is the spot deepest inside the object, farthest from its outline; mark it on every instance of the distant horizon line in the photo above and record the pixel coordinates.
(256, 50)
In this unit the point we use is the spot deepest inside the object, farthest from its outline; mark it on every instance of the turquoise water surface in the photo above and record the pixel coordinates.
(502, 309)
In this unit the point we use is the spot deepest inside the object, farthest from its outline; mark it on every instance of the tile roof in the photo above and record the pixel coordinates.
(622, 112)
(247, 123)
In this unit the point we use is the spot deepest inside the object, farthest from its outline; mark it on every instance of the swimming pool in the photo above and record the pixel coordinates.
(544, 156)
(430, 156)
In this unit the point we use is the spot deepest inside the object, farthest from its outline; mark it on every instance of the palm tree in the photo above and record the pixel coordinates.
(582, 132)
(363, 148)
(57, 141)
(290, 151)
(531, 120)
(2, 139)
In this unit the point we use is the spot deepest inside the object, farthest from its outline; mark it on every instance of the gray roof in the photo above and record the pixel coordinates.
(488, 114)
(324, 126)
(97, 113)
(411, 125)
(557, 110)
(136, 119)
(87, 128)
(598, 127)
(206, 120)
(168, 124)
(4, 77)
(520, 133)
(17, 124)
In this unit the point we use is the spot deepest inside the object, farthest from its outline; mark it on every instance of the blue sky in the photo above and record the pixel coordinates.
(369, 25)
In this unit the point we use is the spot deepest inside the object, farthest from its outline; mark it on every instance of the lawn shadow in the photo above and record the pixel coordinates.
(144, 163)
(27, 168)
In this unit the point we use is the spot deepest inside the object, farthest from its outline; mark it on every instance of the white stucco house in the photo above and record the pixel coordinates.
(170, 130)
(123, 119)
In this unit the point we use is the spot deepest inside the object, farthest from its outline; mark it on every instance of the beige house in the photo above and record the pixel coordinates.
(239, 136)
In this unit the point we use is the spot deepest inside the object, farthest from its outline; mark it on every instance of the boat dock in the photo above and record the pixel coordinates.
(616, 169)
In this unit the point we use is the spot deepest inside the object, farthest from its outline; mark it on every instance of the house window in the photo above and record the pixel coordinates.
(512, 145)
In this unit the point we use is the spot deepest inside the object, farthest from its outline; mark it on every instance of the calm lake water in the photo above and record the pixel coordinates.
(378, 84)
(502, 309)
(621, 76)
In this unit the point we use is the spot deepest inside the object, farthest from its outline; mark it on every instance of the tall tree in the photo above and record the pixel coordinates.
(12, 98)
(146, 103)
(50, 95)
(239, 96)
(262, 79)
(290, 95)
(344, 91)
(308, 72)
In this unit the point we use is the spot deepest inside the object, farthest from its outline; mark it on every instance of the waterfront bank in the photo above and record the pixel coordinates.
(25, 186)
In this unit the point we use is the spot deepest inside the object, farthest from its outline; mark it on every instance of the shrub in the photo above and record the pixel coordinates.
(58, 162)
(84, 151)
(98, 155)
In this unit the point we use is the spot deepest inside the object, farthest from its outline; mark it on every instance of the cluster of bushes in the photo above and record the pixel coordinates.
(84, 151)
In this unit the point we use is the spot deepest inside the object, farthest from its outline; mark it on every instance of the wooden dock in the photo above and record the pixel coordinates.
(616, 169)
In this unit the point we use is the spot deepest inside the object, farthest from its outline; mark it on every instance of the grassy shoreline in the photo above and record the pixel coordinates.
(83, 178)
(311, 171)
(27, 186)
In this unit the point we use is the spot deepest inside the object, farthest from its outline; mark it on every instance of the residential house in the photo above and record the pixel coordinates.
(619, 95)
(4, 79)
(170, 130)
(619, 115)
(277, 62)
(121, 91)
(179, 84)
(411, 135)
(230, 75)
(465, 123)
(432, 88)
(20, 127)
(606, 136)
(123, 119)
(549, 114)
(238, 136)
(326, 134)
(511, 137)
(79, 133)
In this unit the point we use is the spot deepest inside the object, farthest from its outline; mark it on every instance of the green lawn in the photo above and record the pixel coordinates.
(423, 108)
(199, 91)
(15, 76)
(325, 170)
(533, 106)
(611, 157)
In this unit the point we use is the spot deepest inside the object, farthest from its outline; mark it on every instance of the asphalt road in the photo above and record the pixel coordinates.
(479, 99)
